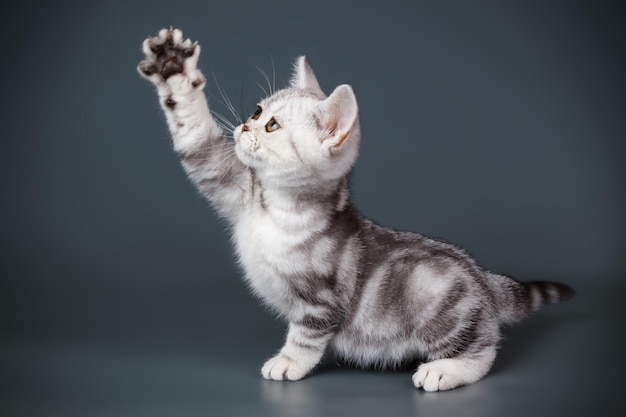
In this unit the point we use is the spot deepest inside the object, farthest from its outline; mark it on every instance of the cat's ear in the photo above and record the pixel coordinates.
(303, 76)
(338, 116)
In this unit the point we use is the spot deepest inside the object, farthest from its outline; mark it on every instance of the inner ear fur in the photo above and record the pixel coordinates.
(337, 115)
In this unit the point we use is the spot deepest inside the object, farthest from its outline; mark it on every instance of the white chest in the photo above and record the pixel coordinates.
(274, 250)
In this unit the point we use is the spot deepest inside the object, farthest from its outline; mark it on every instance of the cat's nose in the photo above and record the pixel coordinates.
(244, 128)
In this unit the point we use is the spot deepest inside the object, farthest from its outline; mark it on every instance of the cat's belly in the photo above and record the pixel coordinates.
(384, 350)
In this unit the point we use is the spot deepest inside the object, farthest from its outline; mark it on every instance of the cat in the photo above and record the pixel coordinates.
(379, 297)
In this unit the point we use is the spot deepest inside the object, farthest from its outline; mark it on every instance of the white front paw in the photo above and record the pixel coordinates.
(282, 368)
(437, 376)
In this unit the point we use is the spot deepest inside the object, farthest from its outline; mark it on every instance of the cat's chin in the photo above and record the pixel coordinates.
(246, 158)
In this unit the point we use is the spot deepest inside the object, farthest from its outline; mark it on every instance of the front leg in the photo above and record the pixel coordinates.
(307, 340)
(207, 156)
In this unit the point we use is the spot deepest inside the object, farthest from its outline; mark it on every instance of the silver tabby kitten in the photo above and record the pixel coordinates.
(377, 296)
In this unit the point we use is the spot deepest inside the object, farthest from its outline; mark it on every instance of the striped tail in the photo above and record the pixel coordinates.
(517, 300)
(539, 293)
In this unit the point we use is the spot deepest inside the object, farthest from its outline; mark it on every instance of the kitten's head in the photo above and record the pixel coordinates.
(298, 136)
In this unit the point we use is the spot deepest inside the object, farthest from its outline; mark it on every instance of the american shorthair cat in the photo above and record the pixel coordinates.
(379, 297)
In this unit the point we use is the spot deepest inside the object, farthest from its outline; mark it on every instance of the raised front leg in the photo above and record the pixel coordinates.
(207, 156)
(306, 342)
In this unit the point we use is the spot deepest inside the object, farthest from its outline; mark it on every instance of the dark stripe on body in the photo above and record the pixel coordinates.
(321, 325)
(305, 346)
(458, 343)
(256, 189)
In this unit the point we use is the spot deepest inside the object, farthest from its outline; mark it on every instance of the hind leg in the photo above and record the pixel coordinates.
(444, 374)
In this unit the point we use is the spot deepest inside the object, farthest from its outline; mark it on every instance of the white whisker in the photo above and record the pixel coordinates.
(233, 160)
(261, 87)
(227, 101)
(269, 84)
(223, 121)
(273, 75)
(222, 147)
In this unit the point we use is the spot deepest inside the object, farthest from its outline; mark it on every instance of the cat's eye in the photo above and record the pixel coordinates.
(272, 125)
(257, 113)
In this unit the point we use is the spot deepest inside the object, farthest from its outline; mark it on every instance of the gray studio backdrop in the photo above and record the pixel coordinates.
(496, 125)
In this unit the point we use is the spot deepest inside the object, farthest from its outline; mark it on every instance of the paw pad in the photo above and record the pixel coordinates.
(166, 54)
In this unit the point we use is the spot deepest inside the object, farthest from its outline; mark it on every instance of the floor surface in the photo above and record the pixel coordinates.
(560, 362)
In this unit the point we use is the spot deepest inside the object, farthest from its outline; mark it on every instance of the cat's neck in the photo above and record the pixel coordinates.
(325, 198)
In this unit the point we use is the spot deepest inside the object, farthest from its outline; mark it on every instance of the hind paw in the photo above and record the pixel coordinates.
(449, 373)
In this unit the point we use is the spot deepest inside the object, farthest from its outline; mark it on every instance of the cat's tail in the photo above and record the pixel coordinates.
(516, 300)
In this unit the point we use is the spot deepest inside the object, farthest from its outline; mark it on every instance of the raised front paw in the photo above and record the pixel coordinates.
(282, 368)
(168, 54)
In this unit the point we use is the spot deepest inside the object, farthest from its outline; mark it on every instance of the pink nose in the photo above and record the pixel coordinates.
(244, 128)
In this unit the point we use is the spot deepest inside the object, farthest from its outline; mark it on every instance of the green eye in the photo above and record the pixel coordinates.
(272, 125)
(257, 113)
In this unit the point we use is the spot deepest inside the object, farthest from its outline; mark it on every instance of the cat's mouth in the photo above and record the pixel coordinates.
(246, 145)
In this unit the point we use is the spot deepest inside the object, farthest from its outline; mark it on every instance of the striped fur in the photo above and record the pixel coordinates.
(378, 296)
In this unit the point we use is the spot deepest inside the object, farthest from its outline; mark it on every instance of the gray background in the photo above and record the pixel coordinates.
(496, 125)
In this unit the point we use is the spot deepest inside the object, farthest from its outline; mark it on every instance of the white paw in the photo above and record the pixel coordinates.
(170, 60)
(438, 375)
(282, 367)
(450, 373)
